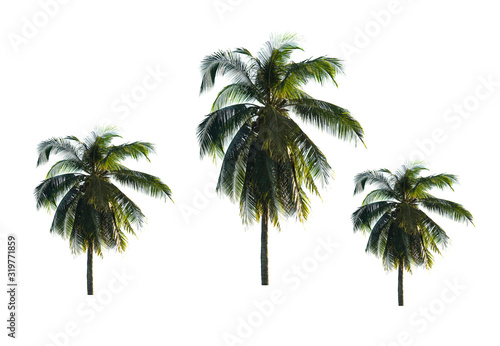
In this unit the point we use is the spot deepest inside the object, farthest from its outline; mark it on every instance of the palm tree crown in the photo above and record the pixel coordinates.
(401, 233)
(90, 210)
(269, 161)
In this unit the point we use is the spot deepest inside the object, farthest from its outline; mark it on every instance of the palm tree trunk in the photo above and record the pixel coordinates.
(264, 262)
(400, 283)
(90, 278)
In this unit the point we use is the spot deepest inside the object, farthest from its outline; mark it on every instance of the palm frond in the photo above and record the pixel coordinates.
(365, 215)
(376, 178)
(50, 190)
(328, 117)
(135, 150)
(142, 182)
(235, 94)
(218, 126)
(66, 166)
(57, 146)
(447, 209)
(440, 181)
(223, 63)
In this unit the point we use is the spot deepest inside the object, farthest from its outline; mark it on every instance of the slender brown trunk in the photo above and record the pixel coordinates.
(264, 262)
(400, 283)
(90, 278)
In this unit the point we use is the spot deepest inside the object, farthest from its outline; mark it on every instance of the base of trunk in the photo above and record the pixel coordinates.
(90, 278)
(264, 261)
(400, 284)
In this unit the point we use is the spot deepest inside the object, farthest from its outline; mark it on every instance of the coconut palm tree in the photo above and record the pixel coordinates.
(401, 233)
(269, 160)
(90, 210)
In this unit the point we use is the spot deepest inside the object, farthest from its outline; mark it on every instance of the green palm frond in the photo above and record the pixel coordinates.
(142, 182)
(235, 94)
(378, 235)
(376, 178)
(223, 64)
(328, 117)
(49, 191)
(365, 215)
(64, 215)
(217, 127)
(382, 194)
(233, 170)
(68, 166)
(439, 181)
(54, 146)
(134, 150)
(320, 69)
(445, 208)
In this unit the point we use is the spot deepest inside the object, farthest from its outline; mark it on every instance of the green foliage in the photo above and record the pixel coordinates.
(400, 232)
(89, 208)
(267, 160)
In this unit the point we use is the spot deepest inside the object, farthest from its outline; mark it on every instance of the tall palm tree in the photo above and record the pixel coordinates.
(401, 233)
(269, 160)
(90, 210)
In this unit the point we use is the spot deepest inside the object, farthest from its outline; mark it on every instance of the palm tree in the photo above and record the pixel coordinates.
(401, 233)
(269, 160)
(89, 209)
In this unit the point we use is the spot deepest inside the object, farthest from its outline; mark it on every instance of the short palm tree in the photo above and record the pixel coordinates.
(401, 233)
(90, 210)
(269, 160)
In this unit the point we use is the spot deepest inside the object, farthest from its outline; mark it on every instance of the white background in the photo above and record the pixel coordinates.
(193, 273)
